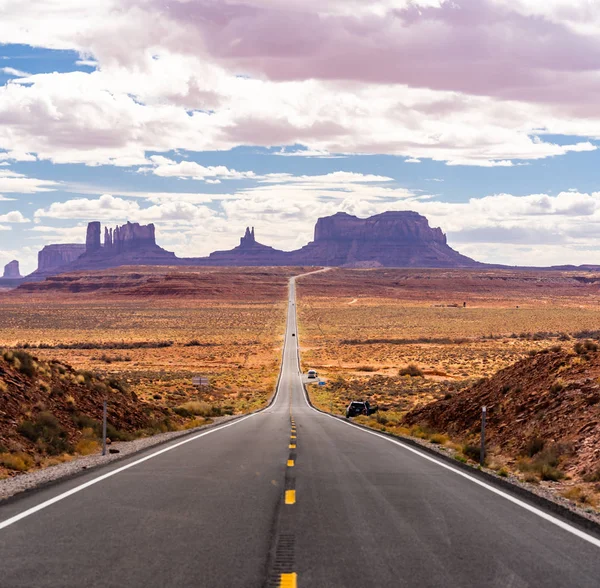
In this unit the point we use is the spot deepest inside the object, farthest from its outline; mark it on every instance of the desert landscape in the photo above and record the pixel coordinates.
(424, 345)
(149, 331)
(428, 347)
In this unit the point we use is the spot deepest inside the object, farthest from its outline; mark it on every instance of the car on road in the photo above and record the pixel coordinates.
(312, 374)
(358, 407)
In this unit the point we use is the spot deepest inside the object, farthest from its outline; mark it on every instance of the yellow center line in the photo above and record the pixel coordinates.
(290, 463)
(292, 447)
(293, 437)
(290, 497)
(288, 581)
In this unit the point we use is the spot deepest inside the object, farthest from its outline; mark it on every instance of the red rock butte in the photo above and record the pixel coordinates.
(391, 239)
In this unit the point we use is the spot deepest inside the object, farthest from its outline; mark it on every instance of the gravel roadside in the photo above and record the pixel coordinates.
(28, 481)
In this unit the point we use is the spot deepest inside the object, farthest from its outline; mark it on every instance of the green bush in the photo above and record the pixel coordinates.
(47, 433)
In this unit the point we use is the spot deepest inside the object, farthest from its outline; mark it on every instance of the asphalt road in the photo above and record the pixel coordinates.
(286, 497)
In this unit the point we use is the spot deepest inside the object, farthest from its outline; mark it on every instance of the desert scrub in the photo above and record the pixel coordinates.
(438, 439)
(19, 462)
(545, 463)
(47, 433)
(197, 408)
(578, 494)
(411, 370)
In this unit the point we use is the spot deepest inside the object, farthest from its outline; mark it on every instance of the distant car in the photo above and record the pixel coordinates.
(293, 334)
(312, 374)
(356, 408)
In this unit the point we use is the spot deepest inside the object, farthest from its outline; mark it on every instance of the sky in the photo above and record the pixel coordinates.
(207, 116)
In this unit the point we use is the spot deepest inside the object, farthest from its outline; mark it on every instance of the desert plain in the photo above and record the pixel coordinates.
(402, 338)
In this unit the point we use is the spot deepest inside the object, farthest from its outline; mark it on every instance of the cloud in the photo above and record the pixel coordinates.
(11, 71)
(106, 207)
(165, 167)
(168, 77)
(14, 216)
(14, 182)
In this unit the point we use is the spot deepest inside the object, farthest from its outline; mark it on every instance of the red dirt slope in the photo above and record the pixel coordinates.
(553, 396)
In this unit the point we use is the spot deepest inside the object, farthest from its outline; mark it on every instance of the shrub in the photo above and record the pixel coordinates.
(3, 387)
(83, 421)
(471, 451)
(503, 472)
(438, 439)
(197, 408)
(577, 494)
(115, 434)
(411, 370)
(557, 386)
(25, 363)
(366, 368)
(555, 348)
(87, 446)
(47, 433)
(20, 462)
(590, 345)
(550, 473)
(579, 348)
(534, 446)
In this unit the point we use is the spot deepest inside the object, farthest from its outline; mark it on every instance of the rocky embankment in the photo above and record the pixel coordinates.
(547, 405)
(48, 409)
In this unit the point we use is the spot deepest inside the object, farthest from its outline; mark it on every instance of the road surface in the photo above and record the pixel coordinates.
(286, 497)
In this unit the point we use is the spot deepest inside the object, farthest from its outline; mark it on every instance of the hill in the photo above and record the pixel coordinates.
(544, 409)
(50, 410)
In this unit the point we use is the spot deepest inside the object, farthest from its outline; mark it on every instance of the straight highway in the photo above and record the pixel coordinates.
(289, 497)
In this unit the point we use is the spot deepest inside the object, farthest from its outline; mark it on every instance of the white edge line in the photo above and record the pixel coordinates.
(68, 493)
(540, 513)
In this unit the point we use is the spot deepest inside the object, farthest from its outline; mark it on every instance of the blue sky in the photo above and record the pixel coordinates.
(137, 114)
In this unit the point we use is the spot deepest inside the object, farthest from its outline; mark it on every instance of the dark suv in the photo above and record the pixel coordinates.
(358, 407)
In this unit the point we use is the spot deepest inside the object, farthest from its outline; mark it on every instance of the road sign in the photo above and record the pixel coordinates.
(199, 381)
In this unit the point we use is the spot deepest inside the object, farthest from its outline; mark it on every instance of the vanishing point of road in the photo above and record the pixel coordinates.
(287, 497)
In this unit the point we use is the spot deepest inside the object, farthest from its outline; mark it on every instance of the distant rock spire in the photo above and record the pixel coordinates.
(248, 238)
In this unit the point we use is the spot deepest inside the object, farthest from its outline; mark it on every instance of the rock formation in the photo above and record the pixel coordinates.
(11, 270)
(92, 239)
(52, 257)
(128, 244)
(391, 239)
(248, 252)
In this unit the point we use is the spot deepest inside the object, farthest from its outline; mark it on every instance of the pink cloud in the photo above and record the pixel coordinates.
(471, 46)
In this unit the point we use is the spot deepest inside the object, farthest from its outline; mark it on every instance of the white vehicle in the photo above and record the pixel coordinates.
(312, 374)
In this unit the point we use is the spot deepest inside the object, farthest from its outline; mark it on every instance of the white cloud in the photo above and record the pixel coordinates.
(106, 207)
(14, 182)
(11, 71)
(165, 167)
(14, 216)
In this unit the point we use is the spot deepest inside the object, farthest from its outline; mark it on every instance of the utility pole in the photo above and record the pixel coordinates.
(482, 448)
(104, 428)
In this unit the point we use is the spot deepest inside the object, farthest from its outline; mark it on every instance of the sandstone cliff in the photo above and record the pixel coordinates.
(52, 257)
(391, 239)
(11, 270)
(129, 244)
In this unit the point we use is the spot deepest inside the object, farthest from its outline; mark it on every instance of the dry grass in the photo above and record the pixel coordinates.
(231, 336)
